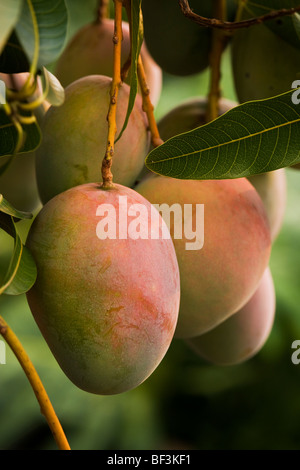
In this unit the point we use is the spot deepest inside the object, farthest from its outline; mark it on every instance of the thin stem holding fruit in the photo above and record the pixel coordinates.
(147, 105)
(107, 175)
(37, 386)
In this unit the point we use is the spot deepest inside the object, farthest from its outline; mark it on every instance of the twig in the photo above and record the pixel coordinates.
(232, 25)
(38, 388)
(107, 175)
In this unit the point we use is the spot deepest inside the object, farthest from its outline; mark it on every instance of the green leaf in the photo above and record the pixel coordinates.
(253, 138)
(136, 44)
(282, 26)
(56, 92)
(22, 271)
(9, 135)
(7, 208)
(9, 13)
(50, 17)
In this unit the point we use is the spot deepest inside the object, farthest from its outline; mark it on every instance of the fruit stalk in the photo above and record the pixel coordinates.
(107, 175)
(147, 105)
(37, 386)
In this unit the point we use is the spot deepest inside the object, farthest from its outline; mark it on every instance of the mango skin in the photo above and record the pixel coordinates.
(263, 64)
(107, 308)
(75, 135)
(177, 44)
(272, 188)
(242, 335)
(90, 52)
(217, 280)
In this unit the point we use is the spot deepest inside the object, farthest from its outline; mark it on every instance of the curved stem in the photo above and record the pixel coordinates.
(147, 105)
(107, 176)
(38, 388)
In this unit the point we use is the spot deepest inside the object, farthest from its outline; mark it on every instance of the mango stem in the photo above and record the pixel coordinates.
(107, 175)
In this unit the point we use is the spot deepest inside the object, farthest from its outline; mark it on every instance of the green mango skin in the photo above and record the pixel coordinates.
(107, 308)
(272, 188)
(90, 52)
(242, 335)
(177, 44)
(263, 64)
(75, 136)
(218, 279)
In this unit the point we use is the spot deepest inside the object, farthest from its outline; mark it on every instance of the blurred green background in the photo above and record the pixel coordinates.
(186, 403)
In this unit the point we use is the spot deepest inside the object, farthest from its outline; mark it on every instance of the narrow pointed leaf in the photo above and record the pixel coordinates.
(136, 43)
(56, 92)
(253, 138)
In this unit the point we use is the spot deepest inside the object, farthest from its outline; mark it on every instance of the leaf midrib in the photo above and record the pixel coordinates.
(269, 129)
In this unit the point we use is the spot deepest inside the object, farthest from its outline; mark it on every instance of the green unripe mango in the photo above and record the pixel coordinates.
(178, 45)
(263, 64)
(75, 136)
(107, 308)
(90, 52)
(244, 334)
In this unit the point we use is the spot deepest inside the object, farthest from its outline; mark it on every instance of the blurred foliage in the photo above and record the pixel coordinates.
(186, 403)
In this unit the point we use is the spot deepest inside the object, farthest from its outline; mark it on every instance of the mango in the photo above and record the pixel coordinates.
(107, 306)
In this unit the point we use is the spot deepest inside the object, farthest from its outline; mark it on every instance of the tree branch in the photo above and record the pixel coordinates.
(37, 386)
(232, 25)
